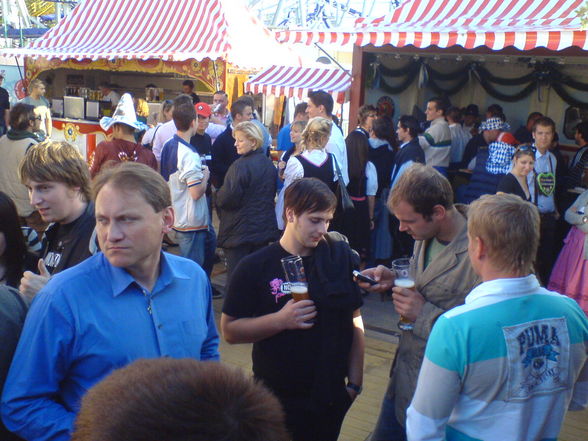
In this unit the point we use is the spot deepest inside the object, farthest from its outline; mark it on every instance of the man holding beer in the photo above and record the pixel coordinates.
(422, 200)
(308, 352)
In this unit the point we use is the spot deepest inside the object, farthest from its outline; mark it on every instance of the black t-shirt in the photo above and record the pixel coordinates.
(202, 143)
(287, 361)
(69, 244)
(195, 98)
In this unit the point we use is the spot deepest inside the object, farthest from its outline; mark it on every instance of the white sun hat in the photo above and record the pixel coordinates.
(124, 114)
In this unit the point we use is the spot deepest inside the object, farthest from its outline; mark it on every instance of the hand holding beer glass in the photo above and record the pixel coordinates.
(295, 275)
(404, 272)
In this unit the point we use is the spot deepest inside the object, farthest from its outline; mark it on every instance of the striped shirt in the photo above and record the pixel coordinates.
(504, 366)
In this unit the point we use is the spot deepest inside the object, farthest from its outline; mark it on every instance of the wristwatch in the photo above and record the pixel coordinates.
(354, 387)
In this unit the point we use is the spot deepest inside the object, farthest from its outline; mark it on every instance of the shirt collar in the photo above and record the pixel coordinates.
(121, 279)
(514, 287)
(181, 141)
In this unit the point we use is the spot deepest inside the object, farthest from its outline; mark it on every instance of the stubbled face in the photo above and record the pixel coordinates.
(55, 201)
(295, 134)
(244, 145)
(129, 230)
(309, 228)
(543, 136)
(432, 112)
(523, 165)
(39, 90)
(414, 223)
(222, 100)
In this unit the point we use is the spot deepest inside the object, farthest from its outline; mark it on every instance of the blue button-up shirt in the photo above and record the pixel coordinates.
(94, 318)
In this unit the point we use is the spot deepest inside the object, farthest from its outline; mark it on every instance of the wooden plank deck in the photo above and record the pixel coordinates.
(362, 416)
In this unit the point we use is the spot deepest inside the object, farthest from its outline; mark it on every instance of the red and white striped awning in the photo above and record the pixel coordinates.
(165, 29)
(523, 24)
(298, 81)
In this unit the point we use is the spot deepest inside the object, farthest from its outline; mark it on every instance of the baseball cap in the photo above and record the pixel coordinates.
(203, 109)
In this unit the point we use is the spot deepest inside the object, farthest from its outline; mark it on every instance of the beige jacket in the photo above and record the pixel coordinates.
(444, 285)
(12, 152)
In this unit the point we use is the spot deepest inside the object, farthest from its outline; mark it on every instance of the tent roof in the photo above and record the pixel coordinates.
(298, 81)
(168, 29)
(524, 24)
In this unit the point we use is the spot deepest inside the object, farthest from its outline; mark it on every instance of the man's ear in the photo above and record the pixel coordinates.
(168, 219)
(289, 215)
(439, 212)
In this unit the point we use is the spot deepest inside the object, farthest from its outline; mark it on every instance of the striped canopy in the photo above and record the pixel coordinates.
(166, 29)
(523, 24)
(298, 81)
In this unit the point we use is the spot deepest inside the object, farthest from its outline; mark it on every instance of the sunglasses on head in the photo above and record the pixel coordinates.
(526, 148)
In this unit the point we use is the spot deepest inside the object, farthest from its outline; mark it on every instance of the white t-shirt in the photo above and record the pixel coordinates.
(336, 146)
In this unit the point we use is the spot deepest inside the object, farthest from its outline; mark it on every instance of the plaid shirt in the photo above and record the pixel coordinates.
(500, 154)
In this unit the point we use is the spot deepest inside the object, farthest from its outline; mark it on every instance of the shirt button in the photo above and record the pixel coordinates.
(159, 326)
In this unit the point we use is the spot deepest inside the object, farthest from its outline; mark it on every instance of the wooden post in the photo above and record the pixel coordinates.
(356, 94)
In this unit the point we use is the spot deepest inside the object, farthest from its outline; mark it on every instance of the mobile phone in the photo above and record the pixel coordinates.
(359, 276)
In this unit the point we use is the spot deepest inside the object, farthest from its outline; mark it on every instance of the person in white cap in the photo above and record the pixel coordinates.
(123, 146)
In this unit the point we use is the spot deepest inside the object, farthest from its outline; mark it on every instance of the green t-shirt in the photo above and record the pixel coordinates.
(434, 247)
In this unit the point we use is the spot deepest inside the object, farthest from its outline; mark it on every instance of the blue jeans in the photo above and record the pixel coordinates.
(192, 245)
(388, 428)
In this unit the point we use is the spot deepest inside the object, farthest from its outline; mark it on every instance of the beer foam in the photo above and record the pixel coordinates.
(404, 283)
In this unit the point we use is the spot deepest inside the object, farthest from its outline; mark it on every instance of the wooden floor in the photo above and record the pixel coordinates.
(361, 418)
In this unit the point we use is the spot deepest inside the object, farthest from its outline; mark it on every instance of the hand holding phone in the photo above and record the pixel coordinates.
(359, 276)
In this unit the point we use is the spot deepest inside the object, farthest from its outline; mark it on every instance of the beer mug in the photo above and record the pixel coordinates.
(294, 272)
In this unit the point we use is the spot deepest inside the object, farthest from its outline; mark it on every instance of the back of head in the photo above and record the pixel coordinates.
(309, 195)
(509, 228)
(357, 154)
(183, 115)
(34, 84)
(182, 99)
(300, 109)
(440, 104)
(134, 176)
(383, 128)
(454, 114)
(320, 97)
(169, 399)
(238, 107)
(56, 161)
(22, 116)
(317, 129)
(422, 187)
(251, 131)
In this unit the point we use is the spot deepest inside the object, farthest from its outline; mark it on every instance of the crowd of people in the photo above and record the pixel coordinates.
(87, 290)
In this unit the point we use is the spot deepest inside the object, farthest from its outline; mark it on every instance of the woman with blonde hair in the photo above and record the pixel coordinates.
(314, 161)
(245, 201)
(296, 129)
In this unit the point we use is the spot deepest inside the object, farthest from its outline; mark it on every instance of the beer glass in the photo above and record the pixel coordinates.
(404, 271)
(294, 272)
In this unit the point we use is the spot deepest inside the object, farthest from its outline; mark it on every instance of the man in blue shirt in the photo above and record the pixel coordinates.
(128, 302)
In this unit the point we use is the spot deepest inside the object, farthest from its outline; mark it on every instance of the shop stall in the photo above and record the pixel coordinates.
(525, 55)
(138, 43)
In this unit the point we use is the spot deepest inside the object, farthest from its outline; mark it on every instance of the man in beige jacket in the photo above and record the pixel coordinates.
(422, 201)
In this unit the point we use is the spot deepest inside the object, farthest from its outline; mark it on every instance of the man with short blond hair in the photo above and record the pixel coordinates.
(508, 363)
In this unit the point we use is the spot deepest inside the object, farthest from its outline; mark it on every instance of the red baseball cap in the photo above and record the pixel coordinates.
(203, 109)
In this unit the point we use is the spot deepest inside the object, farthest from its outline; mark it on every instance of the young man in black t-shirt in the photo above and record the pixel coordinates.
(303, 351)
(58, 180)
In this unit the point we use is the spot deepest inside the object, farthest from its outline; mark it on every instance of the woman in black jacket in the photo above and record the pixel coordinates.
(246, 199)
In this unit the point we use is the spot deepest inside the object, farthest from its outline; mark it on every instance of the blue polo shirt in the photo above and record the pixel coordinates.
(94, 318)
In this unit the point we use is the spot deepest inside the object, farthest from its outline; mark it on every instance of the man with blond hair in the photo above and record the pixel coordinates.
(127, 302)
(58, 182)
(508, 363)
